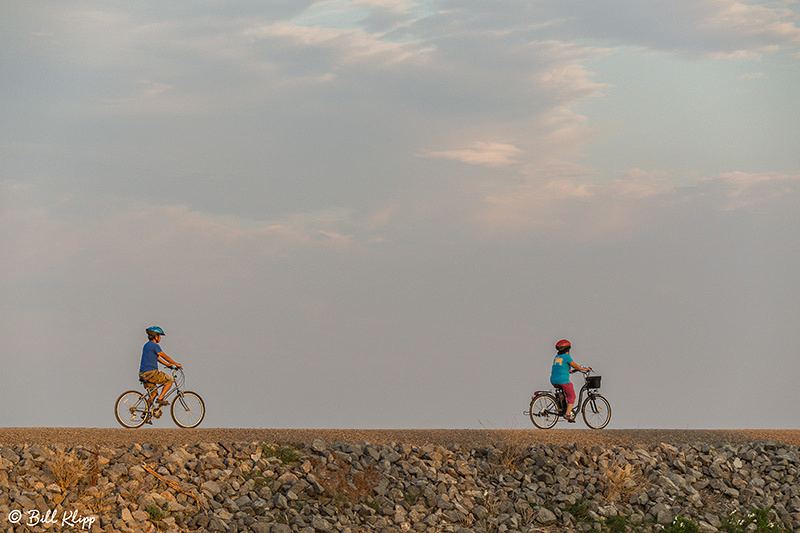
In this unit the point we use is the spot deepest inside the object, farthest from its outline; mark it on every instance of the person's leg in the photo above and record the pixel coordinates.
(150, 384)
(167, 386)
(161, 379)
(569, 392)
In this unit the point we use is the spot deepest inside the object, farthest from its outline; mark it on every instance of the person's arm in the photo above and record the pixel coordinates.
(166, 360)
(576, 366)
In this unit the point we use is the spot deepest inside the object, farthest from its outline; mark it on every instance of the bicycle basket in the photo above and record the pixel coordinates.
(593, 382)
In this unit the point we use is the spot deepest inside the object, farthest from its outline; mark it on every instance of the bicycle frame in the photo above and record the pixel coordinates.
(175, 389)
(134, 407)
(548, 405)
(590, 394)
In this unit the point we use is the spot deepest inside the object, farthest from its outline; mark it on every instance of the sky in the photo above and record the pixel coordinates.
(384, 213)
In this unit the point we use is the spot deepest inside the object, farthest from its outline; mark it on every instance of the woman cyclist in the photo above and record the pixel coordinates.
(559, 376)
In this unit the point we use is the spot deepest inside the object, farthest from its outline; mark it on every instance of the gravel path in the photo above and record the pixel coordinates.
(442, 437)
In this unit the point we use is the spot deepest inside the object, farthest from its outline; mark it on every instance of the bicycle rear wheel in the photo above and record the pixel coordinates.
(131, 409)
(188, 409)
(544, 411)
(596, 412)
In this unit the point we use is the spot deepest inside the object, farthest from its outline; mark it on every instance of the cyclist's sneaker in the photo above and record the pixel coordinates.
(162, 402)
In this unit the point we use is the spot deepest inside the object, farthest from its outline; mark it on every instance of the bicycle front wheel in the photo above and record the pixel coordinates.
(188, 409)
(131, 409)
(544, 411)
(596, 412)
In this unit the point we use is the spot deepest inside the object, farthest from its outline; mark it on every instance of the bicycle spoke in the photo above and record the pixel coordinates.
(188, 409)
(596, 412)
(543, 411)
(131, 409)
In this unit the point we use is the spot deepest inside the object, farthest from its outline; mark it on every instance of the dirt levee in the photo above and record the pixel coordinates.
(441, 437)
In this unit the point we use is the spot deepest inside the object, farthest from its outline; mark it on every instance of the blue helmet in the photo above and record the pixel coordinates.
(155, 330)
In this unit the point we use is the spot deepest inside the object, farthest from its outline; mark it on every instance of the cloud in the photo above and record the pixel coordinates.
(299, 111)
(76, 236)
(400, 6)
(566, 207)
(492, 154)
(8, 186)
(745, 191)
(118, 239)
(343, 46)
(712, 28)
(576, 210)
(751, 76)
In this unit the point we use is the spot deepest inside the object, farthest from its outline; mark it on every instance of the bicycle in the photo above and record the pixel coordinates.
(547, 406)
(133, 408)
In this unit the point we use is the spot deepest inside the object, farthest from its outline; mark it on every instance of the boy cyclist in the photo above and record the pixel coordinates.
(559, 376)
(152, 354)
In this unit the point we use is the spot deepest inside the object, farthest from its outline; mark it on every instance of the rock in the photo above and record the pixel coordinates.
(116, 472)
(126, 515)
(211, 487)
(287, 479)
(180, 457)
(215, 524)
(546, 516)
(705, 527)
(352, 487)
(664, 516)
(175, 507)
(320, 524)
(480, 512)
(9, 455)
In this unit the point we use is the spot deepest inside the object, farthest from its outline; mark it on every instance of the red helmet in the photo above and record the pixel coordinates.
(563, 344)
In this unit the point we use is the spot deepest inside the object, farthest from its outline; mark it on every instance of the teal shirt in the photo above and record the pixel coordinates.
(560, 373)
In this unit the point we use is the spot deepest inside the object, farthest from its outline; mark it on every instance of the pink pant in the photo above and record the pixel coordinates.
(569, 391)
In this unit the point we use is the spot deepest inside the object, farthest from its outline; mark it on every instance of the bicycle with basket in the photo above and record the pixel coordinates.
(547, 406)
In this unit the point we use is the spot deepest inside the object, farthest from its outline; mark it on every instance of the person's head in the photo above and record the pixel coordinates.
(154, 333)
(563, 346)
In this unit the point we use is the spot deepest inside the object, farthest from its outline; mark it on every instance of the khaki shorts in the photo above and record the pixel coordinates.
(154, 378)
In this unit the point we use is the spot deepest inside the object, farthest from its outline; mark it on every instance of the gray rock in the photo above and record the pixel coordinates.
(356, 487)
(546, 516)
(320, 524)
(664, 516)
(215, 524)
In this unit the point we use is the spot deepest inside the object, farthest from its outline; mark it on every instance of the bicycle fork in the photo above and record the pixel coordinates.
(183, 403)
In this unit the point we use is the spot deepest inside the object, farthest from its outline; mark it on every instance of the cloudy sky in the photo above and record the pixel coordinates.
(384, 213)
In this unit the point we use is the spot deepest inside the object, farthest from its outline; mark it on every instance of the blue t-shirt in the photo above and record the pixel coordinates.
(560, 373)
(150, 357)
